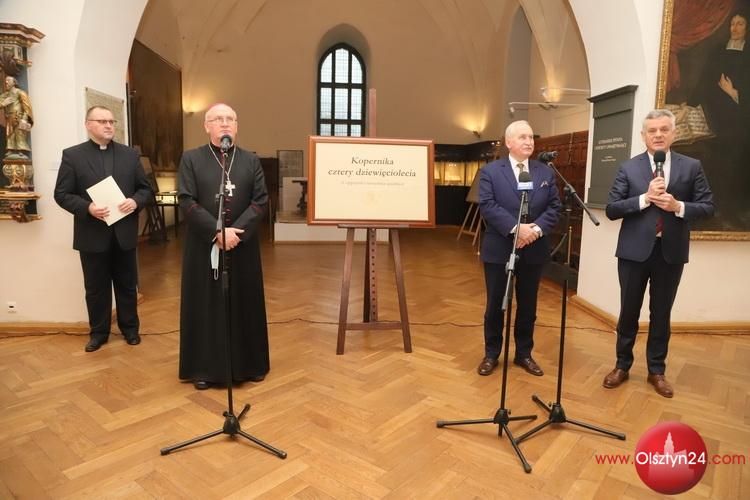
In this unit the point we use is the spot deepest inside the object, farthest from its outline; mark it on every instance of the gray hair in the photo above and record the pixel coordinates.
(511, 129)
(659, 113)
(216, 105)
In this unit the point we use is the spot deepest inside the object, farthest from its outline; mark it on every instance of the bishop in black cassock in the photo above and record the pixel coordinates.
(202, 309)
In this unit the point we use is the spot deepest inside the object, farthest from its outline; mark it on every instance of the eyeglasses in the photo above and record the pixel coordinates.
(103, 122)
(223, 119)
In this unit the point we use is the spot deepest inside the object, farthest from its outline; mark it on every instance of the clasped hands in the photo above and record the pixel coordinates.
(657, 194)
(127, 207)
(232, 238)
(526, 235)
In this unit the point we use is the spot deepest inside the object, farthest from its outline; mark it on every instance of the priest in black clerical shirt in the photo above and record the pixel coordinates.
(202, 312)
(108, 253)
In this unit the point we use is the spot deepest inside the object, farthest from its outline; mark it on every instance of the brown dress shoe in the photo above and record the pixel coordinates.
(663, 388)
(529, 365)
(487, 366)
(615, 378)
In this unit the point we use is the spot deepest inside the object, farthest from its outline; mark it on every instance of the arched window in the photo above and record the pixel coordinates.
(341, 92)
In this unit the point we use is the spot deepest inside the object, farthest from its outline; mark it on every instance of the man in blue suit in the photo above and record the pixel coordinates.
(654, 240)
(499, 204)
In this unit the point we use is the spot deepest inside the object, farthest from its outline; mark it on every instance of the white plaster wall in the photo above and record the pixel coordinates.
(158, 30)
(557, 60)
(87, 43)
(622, 46)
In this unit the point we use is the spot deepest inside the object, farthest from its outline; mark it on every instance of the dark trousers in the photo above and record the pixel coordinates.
(101, 272)
(664, 279)
(527, 281)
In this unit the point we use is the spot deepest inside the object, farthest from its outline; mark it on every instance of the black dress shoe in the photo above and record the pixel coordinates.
(257, 378)
(94, 344)
(201, 385)
(529, 365)
(133, 339)
(486, 366)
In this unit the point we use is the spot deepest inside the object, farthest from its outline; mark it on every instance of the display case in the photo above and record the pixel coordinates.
(456, 173)
(456, 166)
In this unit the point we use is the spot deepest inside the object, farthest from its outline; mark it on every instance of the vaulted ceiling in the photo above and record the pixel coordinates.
(209, 28)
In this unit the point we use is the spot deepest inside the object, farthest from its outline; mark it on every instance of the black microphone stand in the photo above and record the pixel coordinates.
(555, 410)
(502, 415)
(231, 422)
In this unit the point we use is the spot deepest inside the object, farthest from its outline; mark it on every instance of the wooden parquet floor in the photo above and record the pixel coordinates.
(361, 425)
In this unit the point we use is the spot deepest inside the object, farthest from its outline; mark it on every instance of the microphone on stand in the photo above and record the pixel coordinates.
(547, 156)
(226, 143)
(525, 185)
(659, 158)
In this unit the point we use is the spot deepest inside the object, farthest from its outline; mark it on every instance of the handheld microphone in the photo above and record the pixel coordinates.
(547, 156)
(525, 185)
(226, 143)
(659, 158)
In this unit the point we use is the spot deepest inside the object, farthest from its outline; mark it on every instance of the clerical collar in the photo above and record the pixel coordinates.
(217, 149)
(736, 45)
(102, 147)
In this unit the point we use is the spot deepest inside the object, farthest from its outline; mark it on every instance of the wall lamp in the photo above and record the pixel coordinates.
(555, 93)
(547, 106)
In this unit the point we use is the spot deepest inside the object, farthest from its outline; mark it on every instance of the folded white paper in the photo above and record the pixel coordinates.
(107, 193)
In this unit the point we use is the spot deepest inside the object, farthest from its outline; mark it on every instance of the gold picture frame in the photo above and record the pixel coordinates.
(679, 98)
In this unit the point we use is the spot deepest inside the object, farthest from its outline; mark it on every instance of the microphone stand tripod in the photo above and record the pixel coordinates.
(502, 415)
(231, 422)
(555, 410)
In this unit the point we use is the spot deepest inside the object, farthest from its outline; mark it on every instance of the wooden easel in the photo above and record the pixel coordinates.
(370, 313)
(371, 225)
(475, 227)
(155, 227)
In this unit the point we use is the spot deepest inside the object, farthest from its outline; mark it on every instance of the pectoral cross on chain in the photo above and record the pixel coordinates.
(229, 187)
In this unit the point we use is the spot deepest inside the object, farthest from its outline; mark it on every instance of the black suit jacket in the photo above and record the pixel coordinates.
(687, 183)
(81, 169)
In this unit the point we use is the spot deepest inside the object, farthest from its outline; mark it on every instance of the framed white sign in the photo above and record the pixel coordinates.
(370, 181)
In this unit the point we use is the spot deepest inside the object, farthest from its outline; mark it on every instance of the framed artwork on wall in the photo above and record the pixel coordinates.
(704, 79)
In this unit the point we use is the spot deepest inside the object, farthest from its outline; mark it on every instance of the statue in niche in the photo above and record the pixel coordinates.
(18, 119)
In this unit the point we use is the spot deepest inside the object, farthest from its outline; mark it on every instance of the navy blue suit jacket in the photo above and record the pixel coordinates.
(687, 183)
(500, 202)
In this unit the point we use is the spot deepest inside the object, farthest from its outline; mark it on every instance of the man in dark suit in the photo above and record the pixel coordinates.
(499, 204)
(654, 240)
(108, 253)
